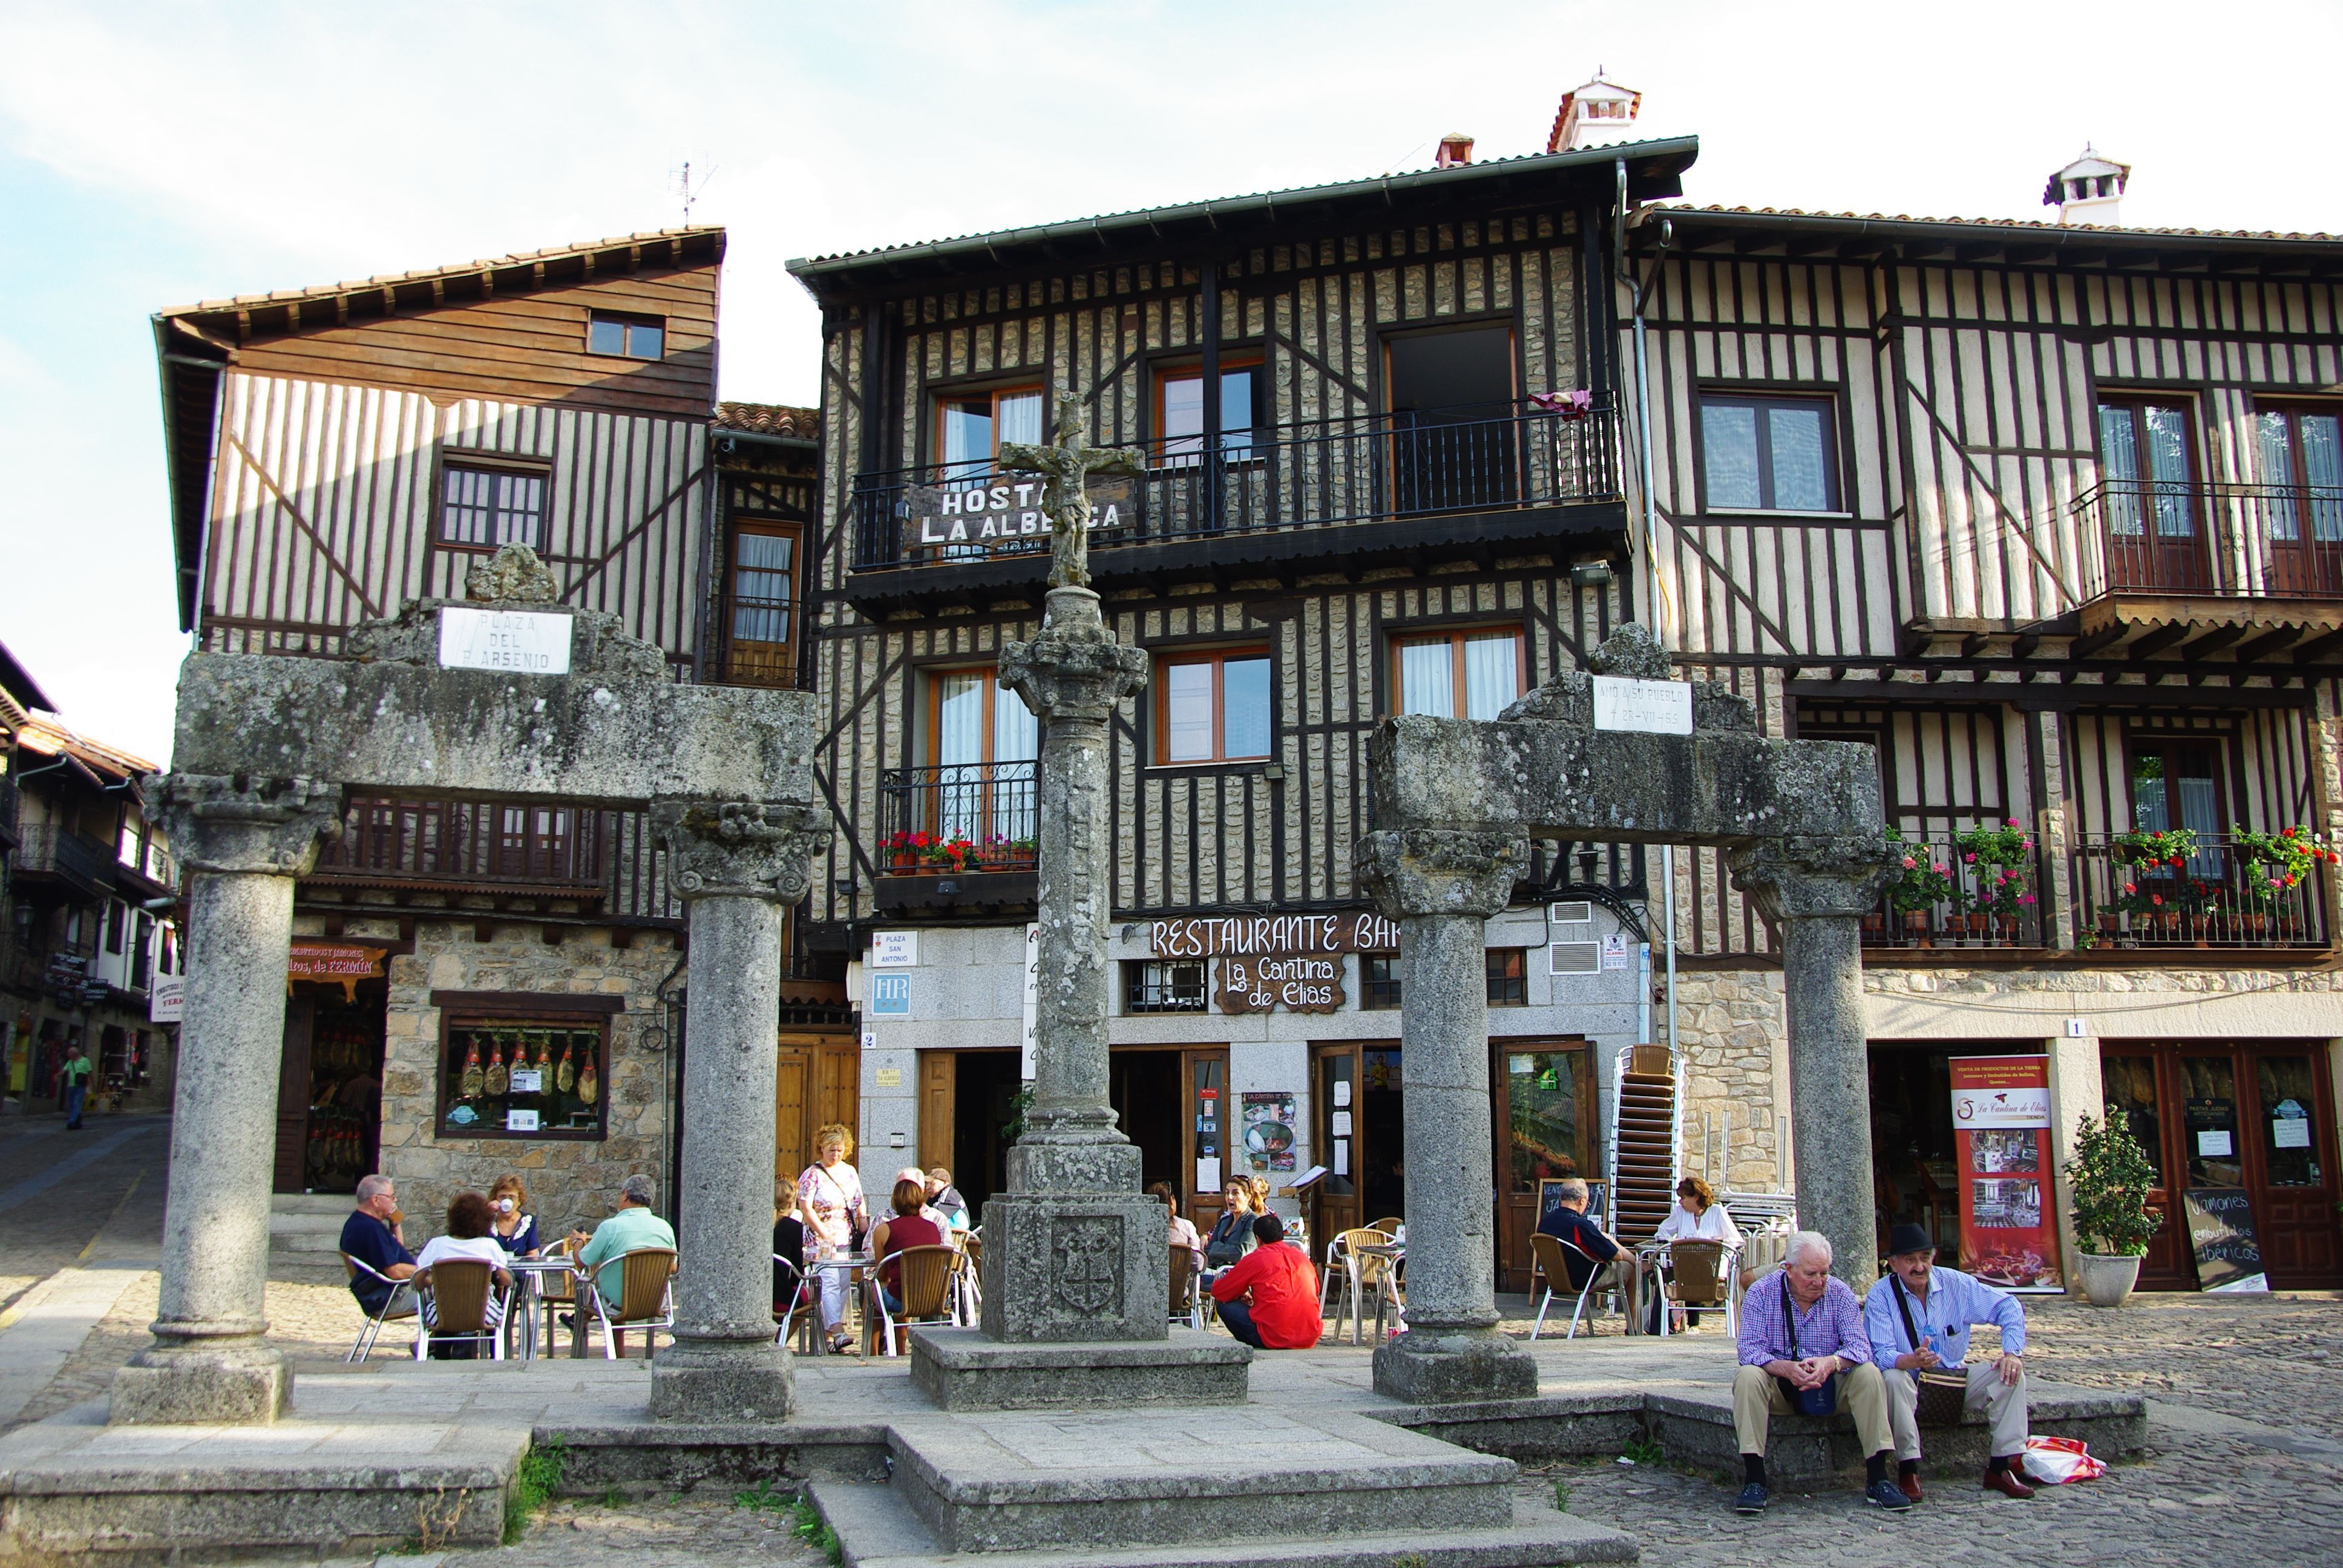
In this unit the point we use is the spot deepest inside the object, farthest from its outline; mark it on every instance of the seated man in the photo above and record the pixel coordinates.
(1567, 1222)
(1802, 1329)
(1282, 1312)
(1918, 1318)
(943, 1196)
(631, 1229)
(369, 1236)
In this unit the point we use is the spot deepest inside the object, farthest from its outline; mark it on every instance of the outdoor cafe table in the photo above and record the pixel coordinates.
(815, 1336)
(520, 1313)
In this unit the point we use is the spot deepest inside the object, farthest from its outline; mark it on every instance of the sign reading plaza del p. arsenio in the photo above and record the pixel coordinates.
(1005, 511)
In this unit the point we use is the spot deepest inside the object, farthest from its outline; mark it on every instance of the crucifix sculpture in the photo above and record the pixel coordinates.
(1065, 466)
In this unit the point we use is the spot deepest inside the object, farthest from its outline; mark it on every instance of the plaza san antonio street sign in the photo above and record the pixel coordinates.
(1003, 512)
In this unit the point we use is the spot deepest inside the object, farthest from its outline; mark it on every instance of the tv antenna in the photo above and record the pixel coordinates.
(691, 188)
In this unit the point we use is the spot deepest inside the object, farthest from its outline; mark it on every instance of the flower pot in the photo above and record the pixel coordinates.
(2108, 923)
(1979, 924)
(2108, 1278)
(903, 861)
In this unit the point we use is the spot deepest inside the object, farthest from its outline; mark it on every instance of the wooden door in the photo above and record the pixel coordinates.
(292, 1095)
(2288, 1137)
(1334, 1203)
(2155, 526)
(2132, 1080)
(818, 1081)
(1542, 1106)
(2298, 506)
(1209, 1114)
(938, 1108)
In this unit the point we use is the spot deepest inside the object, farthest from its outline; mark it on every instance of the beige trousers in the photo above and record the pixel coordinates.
(1757, 1399)
(2004, 1405)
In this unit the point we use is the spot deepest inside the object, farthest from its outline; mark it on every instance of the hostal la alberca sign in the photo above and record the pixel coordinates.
(1000, 512)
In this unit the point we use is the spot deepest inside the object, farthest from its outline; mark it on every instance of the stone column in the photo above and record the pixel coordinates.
(1815, 891)
(1073, 1250)
(737, 866)
(1441, 887)
(242, 841)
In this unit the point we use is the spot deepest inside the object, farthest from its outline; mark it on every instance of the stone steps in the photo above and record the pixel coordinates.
(875, 1531)
(309, 1223)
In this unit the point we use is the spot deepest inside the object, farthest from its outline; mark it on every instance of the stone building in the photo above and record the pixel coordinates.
(486, 986)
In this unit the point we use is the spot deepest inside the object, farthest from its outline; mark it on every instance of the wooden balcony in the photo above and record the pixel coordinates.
(1363, 490)
(393, 849)
(2255, 567)
(57, 855)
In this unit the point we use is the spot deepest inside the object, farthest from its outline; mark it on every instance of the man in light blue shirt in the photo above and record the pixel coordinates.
(1918, 1319)
(631, 1230)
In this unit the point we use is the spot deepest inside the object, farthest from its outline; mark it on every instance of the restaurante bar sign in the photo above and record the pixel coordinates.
(1257, 936)
(1005, 511)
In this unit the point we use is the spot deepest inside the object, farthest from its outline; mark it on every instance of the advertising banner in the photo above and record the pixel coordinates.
(2001, 1125)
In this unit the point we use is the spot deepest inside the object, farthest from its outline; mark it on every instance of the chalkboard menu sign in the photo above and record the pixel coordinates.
(2221, 1234)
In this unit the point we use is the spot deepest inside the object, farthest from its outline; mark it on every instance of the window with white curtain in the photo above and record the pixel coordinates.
(1471, 674)
(986, 741)
(1214, 706)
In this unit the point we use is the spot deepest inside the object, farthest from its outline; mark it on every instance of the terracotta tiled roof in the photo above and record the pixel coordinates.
(1679, 208)
(47, 735)
(769, 419)
(461, 269)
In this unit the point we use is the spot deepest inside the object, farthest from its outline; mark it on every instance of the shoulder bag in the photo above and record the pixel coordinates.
(1820, 1401)
(1943, 1392)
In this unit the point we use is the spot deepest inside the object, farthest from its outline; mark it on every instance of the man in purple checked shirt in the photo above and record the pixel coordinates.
(1802, 1329)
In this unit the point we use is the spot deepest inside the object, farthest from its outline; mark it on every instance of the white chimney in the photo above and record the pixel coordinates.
(1455, 149)
(1594, 111)
(2089, 190)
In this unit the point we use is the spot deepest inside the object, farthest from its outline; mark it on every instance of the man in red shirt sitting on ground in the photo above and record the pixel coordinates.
(1283, 1312)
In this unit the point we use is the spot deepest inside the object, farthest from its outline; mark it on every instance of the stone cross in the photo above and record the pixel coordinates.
(1064, 467)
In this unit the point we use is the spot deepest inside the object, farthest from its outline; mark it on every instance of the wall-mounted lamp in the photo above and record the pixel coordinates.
(1590, 574)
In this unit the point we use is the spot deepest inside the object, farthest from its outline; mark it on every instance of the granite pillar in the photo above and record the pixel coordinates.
(1441, 887)
(1076, 1257)
(736, 866)
(1816, 892)
(241, 842)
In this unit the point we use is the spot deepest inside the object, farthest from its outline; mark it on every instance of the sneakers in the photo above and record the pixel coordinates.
(1886, 1493)
(1751, 1498)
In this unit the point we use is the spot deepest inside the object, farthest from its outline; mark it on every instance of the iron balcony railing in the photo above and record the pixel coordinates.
(2221, 541)
(1944, 899)
(2225, 895)
(956, 819)
(47, 848)
(1312, 474)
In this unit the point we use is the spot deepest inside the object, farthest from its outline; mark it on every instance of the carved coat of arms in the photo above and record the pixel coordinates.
(1088, 1256)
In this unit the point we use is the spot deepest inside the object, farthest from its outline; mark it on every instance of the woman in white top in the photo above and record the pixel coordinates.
(1698, 1217)
(832, 1191)
(470, 1224)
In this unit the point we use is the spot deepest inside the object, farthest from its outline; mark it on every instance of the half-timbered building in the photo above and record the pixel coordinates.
(1378, 442)
(2051, 515)
(482, 986)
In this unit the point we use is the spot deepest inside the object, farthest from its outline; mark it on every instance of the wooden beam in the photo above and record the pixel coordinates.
(2081, 648)
(2220, 636)
(2319, 647)
(1973, 644)
(2269, 643)
(2156, 642)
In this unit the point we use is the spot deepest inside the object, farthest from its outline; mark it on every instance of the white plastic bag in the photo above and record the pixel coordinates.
(2056, 1461)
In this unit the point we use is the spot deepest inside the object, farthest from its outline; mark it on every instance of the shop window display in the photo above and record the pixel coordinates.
(515, 1079)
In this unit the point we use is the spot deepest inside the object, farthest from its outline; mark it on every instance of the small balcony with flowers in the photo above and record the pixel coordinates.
(2178, 887)
(1978, 888)
(958, 837)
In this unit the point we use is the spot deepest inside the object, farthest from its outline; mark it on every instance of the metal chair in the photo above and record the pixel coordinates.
(646, 1300)
(401, 1303)
(922, 1283)
(968, 1278)
(1187, 1302)
(458, 1291)
(792, 1301)
(1362, 1271)
(1549, 1257)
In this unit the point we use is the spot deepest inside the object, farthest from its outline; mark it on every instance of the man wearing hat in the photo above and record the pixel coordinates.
(1918, 1318)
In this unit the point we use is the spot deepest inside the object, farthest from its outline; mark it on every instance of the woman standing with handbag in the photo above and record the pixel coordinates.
(831, 1191)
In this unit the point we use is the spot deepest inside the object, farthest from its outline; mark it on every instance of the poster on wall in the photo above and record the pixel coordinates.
(1267, 1129)
(2001, 1122)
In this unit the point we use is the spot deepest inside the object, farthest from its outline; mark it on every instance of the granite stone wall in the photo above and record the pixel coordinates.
(1734, 1038)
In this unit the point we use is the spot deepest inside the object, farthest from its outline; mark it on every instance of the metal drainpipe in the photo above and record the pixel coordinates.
(1651, 553)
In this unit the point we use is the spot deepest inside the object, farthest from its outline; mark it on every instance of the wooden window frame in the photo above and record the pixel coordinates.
(1762, 399)
(1495, 959)
(935, 676)
(1134, 982)
(941, 396)
(498, 465)
(1379, 994)
(770, 527)
(1217, 657)
(629, 324)
(460, 1010)
(1185, 366)
(1456, 637)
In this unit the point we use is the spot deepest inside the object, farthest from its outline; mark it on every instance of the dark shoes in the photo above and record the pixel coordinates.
(1885, 1493)
(1911, 1485)
(2008, 1483)
(1751, 1498)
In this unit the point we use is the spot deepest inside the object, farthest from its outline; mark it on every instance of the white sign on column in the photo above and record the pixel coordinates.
(1650, 706)
(1032, 999)
(525, 642)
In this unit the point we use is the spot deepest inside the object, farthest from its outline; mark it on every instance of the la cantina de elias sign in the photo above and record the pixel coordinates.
(1269, 961)
(1002, 511)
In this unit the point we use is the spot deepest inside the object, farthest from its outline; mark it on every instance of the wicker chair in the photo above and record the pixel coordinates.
(923, 1283)
(1361, 1271)
(1698, 1273)
(1187, 1301)
(646, 1300)
(459, 1291)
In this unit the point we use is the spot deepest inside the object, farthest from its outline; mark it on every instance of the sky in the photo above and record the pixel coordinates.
(156, 154)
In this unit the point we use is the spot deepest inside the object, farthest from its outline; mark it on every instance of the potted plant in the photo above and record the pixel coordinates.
(906, 849)
(2111, 1176)
(2161, 847)
(1918, 888)
(1999, 858)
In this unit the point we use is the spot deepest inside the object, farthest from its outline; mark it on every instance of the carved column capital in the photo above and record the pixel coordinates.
(1075, 668)
(231, 823)
(1441, 871)
(1810, 876)
(738, 848)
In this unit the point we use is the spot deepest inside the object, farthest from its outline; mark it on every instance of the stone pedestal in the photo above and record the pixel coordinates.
(737, 866)
(241, 842)
(1441, 887)
(1815, 891)
(1075, 1255)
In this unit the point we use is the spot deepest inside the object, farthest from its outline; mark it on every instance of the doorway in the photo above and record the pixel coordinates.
(2258, 1116)
(818, 1081)
(1543, 1113)
(968, 1119)
(1451, 395)
(1360, 1133)
(329, 1087)
(1915, 1170)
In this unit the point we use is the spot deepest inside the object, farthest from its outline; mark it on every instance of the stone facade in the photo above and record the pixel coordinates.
(1737, 1048)
(570, 1183)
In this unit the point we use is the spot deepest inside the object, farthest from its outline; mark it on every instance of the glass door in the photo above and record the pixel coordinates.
(2300, 500)
(2155, 536)
(2134, 1094)
(1545, 1129)
(2289, 1136)
(1335, 1085)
